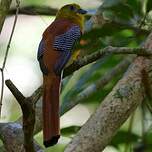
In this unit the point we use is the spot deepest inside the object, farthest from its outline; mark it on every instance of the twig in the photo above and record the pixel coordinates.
(6, 53)
(101, 54)
(35, 10)
(17, 94)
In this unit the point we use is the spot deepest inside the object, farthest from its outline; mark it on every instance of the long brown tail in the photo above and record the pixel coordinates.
(51, 122)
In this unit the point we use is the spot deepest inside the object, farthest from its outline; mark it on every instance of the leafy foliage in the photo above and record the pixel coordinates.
(124, 137)
(69, 131)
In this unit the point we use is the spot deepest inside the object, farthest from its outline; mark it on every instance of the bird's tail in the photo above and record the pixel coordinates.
(51, 122)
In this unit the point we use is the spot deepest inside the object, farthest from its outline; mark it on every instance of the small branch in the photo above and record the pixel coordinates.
(101, 54)
(35, 10)
(13, 28)
(6, 53)
(2, 90)
(46, 10)
(36, 95)
(17, 94)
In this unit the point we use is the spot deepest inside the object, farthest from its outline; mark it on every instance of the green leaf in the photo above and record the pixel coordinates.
(123, 137)
(149, 6)
(68, 131)
(136, 6)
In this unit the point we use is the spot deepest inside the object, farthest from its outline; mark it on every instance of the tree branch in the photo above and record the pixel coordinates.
(101, 54)
(46, 10)
(35, 10)
(28, 110)
(115, 109)
(6, 53)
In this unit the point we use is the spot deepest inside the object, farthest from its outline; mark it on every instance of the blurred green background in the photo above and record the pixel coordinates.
(23, 69)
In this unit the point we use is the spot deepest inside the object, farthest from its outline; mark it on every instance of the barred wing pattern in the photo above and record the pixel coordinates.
(64, 44)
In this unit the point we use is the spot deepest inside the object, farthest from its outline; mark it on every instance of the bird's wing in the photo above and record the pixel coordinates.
(64, 44)
(41, 49)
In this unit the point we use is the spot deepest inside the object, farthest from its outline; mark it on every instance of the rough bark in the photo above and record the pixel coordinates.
(115, 109)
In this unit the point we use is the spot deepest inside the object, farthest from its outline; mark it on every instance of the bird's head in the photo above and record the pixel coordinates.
(72, 12)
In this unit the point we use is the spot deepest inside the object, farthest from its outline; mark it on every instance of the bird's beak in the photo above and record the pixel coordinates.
(81, 11)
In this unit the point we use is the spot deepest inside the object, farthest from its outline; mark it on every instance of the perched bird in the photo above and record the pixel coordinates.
(54, 52)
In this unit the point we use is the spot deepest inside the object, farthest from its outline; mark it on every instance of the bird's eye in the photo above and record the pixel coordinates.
(72, 8)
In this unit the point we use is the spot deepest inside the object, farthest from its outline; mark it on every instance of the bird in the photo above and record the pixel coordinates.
(55, 51)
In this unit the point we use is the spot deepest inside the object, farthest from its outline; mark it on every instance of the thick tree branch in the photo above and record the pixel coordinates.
(115, 109)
